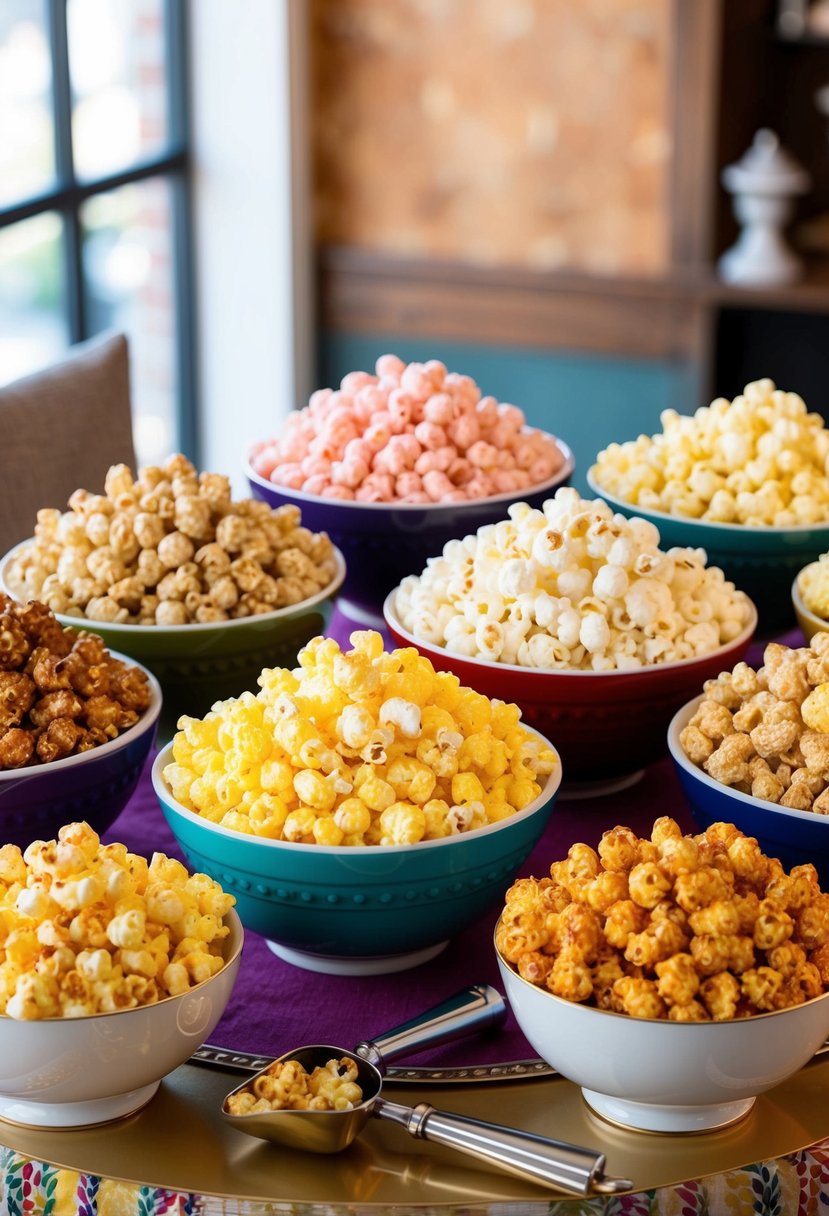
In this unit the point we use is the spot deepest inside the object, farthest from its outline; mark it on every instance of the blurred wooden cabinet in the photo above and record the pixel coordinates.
(734, 67)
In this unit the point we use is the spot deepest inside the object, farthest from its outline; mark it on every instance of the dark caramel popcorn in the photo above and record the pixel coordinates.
(61, 692)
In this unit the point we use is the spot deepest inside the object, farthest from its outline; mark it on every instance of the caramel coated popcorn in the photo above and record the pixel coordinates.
(286, 1085)
(766, 732)
(690, 928)
(92, 928)
(760, 460)
(61, 691)
(170, 547)
(360, 747)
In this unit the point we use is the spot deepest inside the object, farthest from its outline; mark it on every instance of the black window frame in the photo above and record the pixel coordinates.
(67, 195)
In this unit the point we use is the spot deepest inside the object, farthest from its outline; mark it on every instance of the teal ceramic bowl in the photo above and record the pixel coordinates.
(359, 911)
(197, 665)
(760, 561)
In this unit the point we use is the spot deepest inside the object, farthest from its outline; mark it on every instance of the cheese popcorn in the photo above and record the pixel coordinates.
(571, 586)
(401, 755)
(813, 585)
(89, 928)
(766, 733)
(170, 547)
(760, 460)
(685, 928)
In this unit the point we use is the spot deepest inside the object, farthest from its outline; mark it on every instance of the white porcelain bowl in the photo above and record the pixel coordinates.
(662, 1076)
(73, 1072)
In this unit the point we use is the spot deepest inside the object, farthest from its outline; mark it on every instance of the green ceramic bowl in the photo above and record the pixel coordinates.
(760, 561)
(197, 665)
(359, 911)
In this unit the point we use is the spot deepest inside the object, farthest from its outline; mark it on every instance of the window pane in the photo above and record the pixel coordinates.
(27, 153)
(118, 72)
(33, 331)
(128, 268)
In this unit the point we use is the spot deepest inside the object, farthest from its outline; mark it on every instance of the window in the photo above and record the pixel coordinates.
(94, 197)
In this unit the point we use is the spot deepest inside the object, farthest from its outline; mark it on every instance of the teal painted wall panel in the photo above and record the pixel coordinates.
(589, 401)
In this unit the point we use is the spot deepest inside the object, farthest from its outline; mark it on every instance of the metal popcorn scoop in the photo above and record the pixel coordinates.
(567, 1167)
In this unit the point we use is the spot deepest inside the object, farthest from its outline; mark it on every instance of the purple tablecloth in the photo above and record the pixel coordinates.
(276, 1006)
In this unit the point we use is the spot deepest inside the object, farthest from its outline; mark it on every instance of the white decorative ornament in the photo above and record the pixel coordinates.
(764, 183)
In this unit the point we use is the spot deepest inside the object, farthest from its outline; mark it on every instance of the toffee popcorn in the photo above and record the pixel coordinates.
(286, 1085)
(688, 928)
(571, 586)
(170, 547)
(361, 747)
(766, 732)
(759, 460)
(61, 691)
(92, 928)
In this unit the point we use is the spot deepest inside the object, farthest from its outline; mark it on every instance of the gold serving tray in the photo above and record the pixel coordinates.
(180, 1142)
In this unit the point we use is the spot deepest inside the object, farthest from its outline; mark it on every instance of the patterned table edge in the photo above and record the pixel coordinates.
(795, 1185)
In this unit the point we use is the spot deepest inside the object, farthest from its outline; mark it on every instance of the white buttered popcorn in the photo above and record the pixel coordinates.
(759, 460)
(572, 585)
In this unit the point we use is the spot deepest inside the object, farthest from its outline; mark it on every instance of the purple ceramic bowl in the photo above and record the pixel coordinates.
(95, 786)
(383, 542)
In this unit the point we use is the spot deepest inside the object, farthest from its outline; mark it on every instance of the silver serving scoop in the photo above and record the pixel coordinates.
(567, 1167)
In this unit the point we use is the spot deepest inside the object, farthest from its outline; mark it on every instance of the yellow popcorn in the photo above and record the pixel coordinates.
(357, 748)
(758, 460)
(65, 954)
(813, 585)
(815, 709)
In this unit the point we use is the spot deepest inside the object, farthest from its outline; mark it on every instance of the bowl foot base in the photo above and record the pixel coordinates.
(382, 964)
(576, 790)
(642, 1116)
(75, 1114)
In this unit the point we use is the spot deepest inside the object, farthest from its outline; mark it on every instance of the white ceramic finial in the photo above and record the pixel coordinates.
(764, 182)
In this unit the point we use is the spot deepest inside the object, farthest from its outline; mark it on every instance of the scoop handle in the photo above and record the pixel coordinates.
(568, 1167)
(470, 1011)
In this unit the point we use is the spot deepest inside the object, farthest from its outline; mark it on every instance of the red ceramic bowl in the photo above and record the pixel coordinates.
(606, 725)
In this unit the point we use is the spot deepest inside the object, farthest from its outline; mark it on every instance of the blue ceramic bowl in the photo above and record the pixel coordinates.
(359, 911)
(35, 802)
(760, 561)
(383, 542)
(795, 837)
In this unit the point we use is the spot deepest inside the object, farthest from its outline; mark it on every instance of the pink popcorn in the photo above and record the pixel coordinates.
(390, 365)
(289, 475)
(411, 432)
(406, 484)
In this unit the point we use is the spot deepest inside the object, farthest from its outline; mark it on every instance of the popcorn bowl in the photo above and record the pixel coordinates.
(383, 542)
(366, 910)
(198, 664)
(606, 725)
(762, 561)
(96, 785)
(794, 836)
(656, 1075)
(79, 1071)
(810, 622)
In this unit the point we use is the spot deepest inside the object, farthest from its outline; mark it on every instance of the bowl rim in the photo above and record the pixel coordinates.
(288, 612)
(651, 513)
(799, 604)
(235, 940)
(683, 761)
(626, 1017)
(147, 720)
(745, 635)
(505, 496)
(548, 792)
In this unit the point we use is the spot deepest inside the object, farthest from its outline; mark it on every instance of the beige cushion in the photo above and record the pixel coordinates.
(60, 430)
